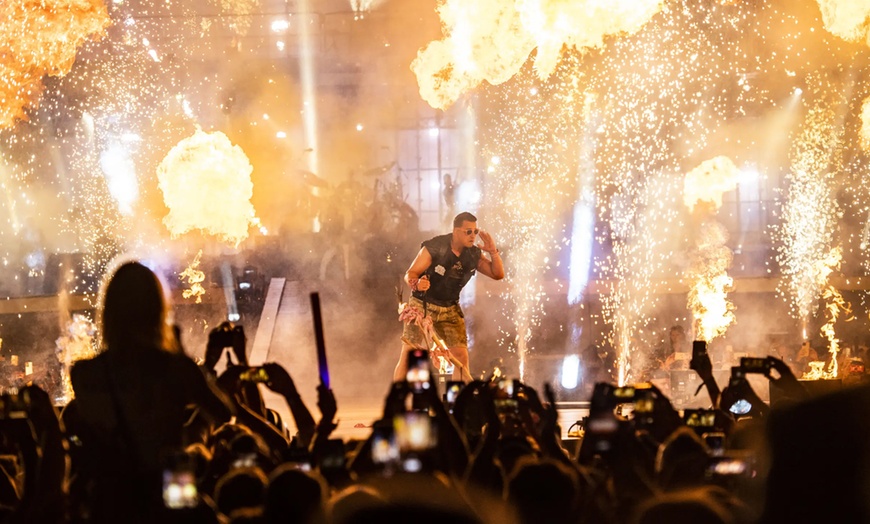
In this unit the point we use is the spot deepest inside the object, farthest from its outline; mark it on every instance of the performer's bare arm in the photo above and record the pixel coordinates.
(492, 267)
(419, 266)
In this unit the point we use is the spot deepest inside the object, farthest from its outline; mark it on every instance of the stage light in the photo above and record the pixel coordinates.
(570, 371)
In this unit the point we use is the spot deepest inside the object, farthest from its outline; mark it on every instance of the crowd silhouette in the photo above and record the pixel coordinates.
(153, 437)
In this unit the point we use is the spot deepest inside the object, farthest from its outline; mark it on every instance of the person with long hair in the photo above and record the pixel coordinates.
(133, 399)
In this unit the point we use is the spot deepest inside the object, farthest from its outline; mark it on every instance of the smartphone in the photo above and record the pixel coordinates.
(418, 370)
(179, 483)
(414, 431)
(415, 438)
(700, 418)
(755, 365)
(699, 351)
(452, 390)
(257, 374)
(385, 449)
(508, 388)
(644, 407)
(332, 457)
(624, 393)
(738, 376)
(729, 466)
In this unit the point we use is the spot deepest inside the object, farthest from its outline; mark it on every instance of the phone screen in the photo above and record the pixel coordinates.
(418, 369)
(255, 375)
(452, 391)
(179, 488)
(385, 449)
(333, 458)
(754, 365)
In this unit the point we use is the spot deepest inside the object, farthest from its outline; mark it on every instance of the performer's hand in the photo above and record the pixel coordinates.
(487, 243)
(423, 283)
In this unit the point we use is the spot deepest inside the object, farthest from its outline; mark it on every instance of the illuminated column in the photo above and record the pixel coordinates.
(309, 102)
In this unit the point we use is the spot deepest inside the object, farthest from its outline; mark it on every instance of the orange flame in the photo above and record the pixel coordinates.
(206, 184)
(490, 40)
(835, 304)
(708, 269)
(846, 19)
(37, 39)
(195, 278)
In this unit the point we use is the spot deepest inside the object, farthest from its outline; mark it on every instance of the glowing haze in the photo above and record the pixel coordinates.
(490, 40)
(206, 184)
(38, 39)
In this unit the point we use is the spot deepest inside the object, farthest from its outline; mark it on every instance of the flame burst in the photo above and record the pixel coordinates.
(709, 261)
(77, 343)
(846, 19)
(490, 40)
(206, 184)
(39, 38)
(195, 277)
(835, 303)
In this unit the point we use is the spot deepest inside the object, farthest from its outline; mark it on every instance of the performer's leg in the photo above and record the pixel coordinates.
(401, 370)
(411, 334)
(461, 354)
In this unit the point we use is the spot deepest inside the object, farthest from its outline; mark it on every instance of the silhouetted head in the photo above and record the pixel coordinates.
(133, 312)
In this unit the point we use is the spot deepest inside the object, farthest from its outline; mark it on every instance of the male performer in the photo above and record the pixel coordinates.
(441, 269)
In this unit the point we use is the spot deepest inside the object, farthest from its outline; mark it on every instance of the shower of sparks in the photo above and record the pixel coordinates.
(532, 142)
(206, 184)
(664, 95)
(810, 214)
(865, 124)
(39, 39)
(195, 277)
(76, 343)
(709, 260)
(490, 40)
(238, 13)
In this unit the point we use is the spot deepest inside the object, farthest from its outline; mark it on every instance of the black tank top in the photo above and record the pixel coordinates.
(448, 273)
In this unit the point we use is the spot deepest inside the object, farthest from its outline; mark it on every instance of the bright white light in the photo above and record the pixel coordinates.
(533, 91)
(279, 45)
(570, 371)
(582, 237)
(153, 54)
(359, 127)
(185, 106)
(130, 138)
(280, 134)
(280, 25)
(798, 91)
(435, 184)
(244, 285)
(496, 160)
(120, 173)
(146, 42)
(433, 132)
